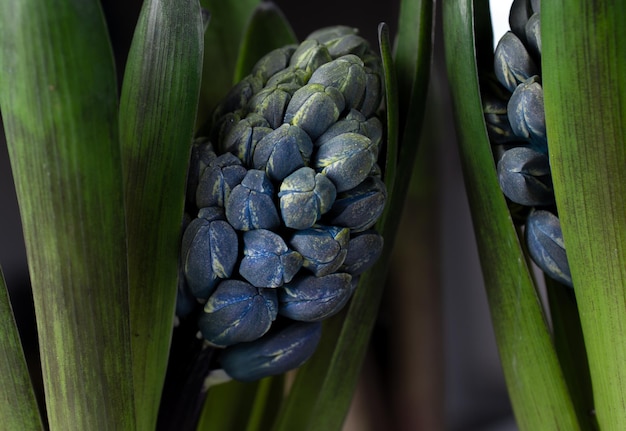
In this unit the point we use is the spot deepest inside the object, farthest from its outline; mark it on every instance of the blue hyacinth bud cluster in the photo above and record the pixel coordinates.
(514, 113)
(283, 196)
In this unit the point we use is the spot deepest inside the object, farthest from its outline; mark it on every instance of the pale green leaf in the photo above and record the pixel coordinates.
(584, 81)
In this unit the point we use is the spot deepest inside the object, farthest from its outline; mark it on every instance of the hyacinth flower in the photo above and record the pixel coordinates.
(172, 202)
(559, 154)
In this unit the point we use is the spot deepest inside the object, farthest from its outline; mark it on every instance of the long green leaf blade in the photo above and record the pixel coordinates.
(18, 406)
(59, 105)
(268, 29)
(157, 115)
(584, 80)
(536, 385)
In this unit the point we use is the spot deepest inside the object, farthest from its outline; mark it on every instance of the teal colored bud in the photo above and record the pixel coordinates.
(267, 261)
(359, 208)
(536, 5)
(278, 351)
(347, 75)
(533, 36)
(243, 137)
(364, 249)
(291, 76)
(512, 62)
(526, 113)
(373, 96)
(238, 96)
(209, 251)
(355, 122)
(273, 62)
(495, 100)
(544, 239)
(271, 103)
(314, 108)
(237, 312)
(304, 196)
(341, 40)
(310, 299)
(202, 154)
(346, 159)
(323, 248)
(283, 151)
(251, 203)
(520, 12)
(309, 56)
(525, 178)
(218, 179)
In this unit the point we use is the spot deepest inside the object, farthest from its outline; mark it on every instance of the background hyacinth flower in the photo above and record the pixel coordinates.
(562, 375)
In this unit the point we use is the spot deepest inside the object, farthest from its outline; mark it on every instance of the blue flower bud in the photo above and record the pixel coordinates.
(355, 122)
(186, 302)
(323, 248)
(314, 108)
(520, 11)
(533, 35)
(309, 56)
(544, 239)
(309, 298)
(237, 98)
(524, 177)
(341, 40)
(243, 137)
(304, 197)
(526, 113)
(267, 260)
(283, 151)
(202, 154)
(237, 312)
(271, 103)
(364, 249)
(289, 76)
(273, 62)
(251, 203)
(347, 75)
(276, 352)
(359, 208)
(208, 251)
(346, 159)
(512, 62)
(218, 179)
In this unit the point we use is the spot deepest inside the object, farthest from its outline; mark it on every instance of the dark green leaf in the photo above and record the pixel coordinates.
(18, 407)
(59, 106)
(268, 29)
(157, 115)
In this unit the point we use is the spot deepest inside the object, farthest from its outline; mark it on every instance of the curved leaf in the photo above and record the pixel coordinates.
(267, 29)
(18, 406)
(157, 114)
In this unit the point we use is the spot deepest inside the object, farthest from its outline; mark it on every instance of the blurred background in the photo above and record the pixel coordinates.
(433, 363)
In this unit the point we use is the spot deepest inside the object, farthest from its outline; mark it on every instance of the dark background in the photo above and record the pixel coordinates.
(447, 378)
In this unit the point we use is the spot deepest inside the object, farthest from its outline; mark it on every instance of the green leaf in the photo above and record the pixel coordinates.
(222, 41)
(157, 114)
(59, 106)
(18, 406)
(391, 106)
(267, 29)
(534, 379)
(584, 81)
(228, 406)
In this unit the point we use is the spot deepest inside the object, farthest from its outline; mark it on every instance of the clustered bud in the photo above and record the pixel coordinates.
(283, 196)
(515, 117)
